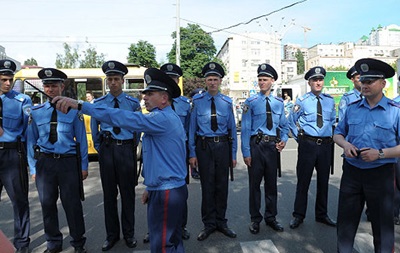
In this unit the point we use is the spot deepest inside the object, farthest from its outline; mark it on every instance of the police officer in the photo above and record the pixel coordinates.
(352, 95)
(397, 188)
(14, 108)
(368, 134)
(264, 133)
(117, 159)
(212, 127)
(55, 164)
(314, 114)
(164, 155)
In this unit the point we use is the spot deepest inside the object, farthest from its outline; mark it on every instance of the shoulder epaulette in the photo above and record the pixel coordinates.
(279, 99)
(394, 103)
(349, 93)
(326, 95)
(304, 97)
(35, 107)
(252, 98)
(226, 99)
(198, 96)
(185, 99)
(132, 99)
(20, 97)
(355, 101)
(99, 99)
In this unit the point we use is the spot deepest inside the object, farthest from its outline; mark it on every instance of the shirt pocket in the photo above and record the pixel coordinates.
(356, 127)
(11, 121)
(43, 125)
(259, 116)
(65, 124)
(383, 132)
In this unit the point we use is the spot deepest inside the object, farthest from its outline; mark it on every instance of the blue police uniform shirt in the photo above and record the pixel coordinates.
(347, 98)
(367, 127)
(397, 99)
(70, 129)
(182, 108)
(164, 149)
(304, 113)
(200, 120)
(125, 102)
(16, 107)
(254, 119)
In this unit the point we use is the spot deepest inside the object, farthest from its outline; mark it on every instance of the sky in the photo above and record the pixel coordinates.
(38, 28)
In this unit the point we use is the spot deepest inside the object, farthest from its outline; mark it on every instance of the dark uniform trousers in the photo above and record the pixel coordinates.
(374, 186)
(11, 179)
(263, 165)
(310, 155)
(118, 171)
(54, 177)
(397, 191)
(213, 162)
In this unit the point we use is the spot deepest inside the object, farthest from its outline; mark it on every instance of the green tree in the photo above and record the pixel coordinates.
(300, 62)
(143, 53)
(70, 59)
(92, 59)
(30, 62)
(196, 49)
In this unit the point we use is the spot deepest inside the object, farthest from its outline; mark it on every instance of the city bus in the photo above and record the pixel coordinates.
(78, 83)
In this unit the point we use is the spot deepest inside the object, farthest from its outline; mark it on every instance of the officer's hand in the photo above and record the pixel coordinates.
(64, 103)
(145, 197)
(280, 145)
(1, 131)
(193, 162)
(247, 161)
(350, 150)
(234, 162)
(369, 154)
(85, 174)
(34, 177)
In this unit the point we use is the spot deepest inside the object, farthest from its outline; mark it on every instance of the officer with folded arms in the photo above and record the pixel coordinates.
(310, 122)
(14, 111)
(54, 139)
(369, 135)
(264, 133)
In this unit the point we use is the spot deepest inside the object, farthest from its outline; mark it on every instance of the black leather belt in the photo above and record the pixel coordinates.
(318, 140)
(57, 156)
(215, 138)
(265, 138)
(120, 142)
(8, 145)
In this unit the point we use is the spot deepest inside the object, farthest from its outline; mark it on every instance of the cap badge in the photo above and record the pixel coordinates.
(212, 66)
(148, 79)
(48, 73)
(7, 64)
(170, 67)
(111, 65)
(263, 67)
(317, 70)
(364, 67)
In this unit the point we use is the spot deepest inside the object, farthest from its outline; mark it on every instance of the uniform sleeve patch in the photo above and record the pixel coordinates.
(296, 108)
(245, 108)
(27, 109)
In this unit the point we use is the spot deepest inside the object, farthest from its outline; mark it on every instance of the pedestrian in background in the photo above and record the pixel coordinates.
(353, 95)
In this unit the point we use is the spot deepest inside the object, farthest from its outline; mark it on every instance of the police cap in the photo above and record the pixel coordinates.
(113, 68)
(371, 69)
(267, 70)
(213, 69)
(171, 69)
(157, 80)
(315, 72)
(352, 71)
(7, 67)
(50, 75)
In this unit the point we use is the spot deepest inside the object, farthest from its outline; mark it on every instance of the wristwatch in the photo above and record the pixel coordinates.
(381, 155)
(80, 103)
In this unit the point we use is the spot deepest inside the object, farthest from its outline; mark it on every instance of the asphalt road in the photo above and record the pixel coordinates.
(310, 237)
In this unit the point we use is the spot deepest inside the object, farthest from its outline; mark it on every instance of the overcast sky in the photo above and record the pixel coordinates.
(38, 28)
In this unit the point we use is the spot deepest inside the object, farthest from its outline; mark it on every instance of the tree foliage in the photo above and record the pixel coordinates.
(91, 59)
(196, 49)
(31, 62)
(300, 62)
(72, 59)
(143, 53)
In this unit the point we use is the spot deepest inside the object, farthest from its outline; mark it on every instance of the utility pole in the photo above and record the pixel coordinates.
(178, 34)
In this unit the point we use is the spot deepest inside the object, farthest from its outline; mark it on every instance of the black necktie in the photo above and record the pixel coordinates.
(116, 130)
(53, 127)
(1, 112)
(320, 121)
(269, 114)
(214, 124)
(172, 105)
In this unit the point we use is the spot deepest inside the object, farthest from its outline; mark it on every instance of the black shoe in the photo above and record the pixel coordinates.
(254, 228)
(327, 221)
(108, 244)
(275, 225)
(185, 234)
(22, 250)
(146, 238)
(228, 232)
(195, 174)
(295, 223)
(131, 242)
(205, 233)
(80, 250)
(55, 250)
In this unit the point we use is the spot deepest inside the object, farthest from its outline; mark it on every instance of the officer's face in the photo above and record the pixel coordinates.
(316, 85)
(114, 83)
(265, 83)
(213, 83)
(53, 89)
(6, 82)
(155, 99)
(372, 88)
(356, 81)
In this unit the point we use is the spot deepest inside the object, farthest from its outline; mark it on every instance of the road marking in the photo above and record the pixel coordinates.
(363, 243)
(264, 246)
